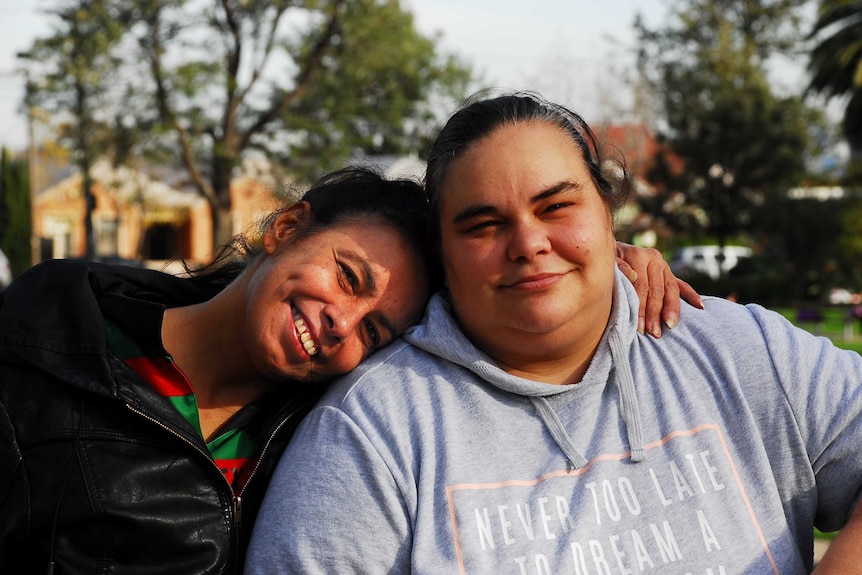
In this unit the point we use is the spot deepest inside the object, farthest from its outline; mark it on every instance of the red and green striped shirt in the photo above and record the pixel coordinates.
(232, 447)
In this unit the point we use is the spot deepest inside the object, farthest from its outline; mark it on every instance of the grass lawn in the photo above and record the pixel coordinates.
(832, 326)
(821, 535)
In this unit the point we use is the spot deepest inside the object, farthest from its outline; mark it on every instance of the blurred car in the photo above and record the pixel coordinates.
(5, 271)
(840, 296)
(707, 260)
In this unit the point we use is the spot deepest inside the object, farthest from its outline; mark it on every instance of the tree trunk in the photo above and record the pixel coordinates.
(90, 206)
(224, 158)
(222, 226)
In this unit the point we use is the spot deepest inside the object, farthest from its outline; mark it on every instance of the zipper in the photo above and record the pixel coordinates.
(236, 498)
(235, 506)
(266, 445)
(237, 511)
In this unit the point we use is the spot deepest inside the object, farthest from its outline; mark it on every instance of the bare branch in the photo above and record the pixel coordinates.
(305, 77)
(266, 51)
(155, 50)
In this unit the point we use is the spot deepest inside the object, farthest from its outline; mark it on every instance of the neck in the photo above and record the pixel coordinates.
(205, 343)
(561, 356)
(560, 366)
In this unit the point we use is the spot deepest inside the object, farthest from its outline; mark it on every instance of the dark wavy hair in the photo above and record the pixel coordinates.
(480, 117)
(353, 193)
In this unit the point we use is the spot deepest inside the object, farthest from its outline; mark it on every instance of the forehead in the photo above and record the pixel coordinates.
(375, 239)
(400, 277)
(525, 157)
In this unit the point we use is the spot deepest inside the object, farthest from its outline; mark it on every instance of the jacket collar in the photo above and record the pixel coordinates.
(53, 316)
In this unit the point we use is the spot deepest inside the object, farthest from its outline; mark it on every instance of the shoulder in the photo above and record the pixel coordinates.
(749, 321)
(399, 366)
(399, 383)
(755, 336)
(746, 322)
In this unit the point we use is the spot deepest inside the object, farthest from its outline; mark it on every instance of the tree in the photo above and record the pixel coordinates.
(15, 224)
(740, 144)
(72, 71)
(836, 62)
(308, 83)
(850, 241)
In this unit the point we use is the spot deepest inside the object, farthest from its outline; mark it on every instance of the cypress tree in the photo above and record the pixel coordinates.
(15, 214)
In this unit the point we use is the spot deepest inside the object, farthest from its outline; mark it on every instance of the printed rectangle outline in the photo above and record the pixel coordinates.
(451, 489)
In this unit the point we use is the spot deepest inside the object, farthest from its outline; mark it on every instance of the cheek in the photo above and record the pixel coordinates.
(462, 269)
(471, 255)
(349, 355)
(589, 238)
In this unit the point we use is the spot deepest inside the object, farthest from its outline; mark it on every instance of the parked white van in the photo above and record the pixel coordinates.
(709, 260)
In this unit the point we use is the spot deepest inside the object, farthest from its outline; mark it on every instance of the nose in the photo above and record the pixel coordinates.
(340, 320)
(527, 240)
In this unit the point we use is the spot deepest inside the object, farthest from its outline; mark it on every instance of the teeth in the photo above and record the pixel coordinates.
(304, 335)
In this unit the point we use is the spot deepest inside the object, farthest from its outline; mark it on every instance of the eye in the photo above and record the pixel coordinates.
(558, 206)
(483, 225)
(346, 277)
(373, 333)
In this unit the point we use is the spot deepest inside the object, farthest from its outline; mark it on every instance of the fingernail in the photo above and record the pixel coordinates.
(655, 330)
(672, 320)
(700, 303)
(641, 323)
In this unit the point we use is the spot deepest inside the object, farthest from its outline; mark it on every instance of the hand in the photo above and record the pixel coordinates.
(658, 289)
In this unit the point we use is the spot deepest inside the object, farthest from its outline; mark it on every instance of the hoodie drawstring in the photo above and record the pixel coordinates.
(628, 410)
(558, 432)
(628, 398)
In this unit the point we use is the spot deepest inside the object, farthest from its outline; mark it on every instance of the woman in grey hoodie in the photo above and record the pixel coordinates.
(525, 426)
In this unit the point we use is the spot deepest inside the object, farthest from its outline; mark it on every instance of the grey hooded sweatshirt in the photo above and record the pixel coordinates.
(710, 451)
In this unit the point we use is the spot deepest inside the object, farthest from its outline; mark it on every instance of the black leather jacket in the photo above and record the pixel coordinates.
(98, 473)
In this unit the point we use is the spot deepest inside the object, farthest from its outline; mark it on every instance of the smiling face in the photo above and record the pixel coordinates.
(321, 303)
(528, 251)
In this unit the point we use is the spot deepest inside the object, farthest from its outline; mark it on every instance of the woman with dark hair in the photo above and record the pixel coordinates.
(141, 413)
(533, 429)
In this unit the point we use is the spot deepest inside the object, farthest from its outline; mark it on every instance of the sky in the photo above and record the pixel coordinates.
(574, 51)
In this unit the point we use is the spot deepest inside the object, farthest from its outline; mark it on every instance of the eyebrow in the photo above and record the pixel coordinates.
(476, 210)
(370, 284)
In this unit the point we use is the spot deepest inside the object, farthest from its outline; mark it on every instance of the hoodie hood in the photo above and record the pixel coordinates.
(439, 333)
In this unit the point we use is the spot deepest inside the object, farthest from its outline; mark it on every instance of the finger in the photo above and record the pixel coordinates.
(627, 270)
(658, 278)
(689, 294)
(641, 285)
(670, 309)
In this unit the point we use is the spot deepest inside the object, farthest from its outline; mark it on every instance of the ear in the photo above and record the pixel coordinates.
(282, 228)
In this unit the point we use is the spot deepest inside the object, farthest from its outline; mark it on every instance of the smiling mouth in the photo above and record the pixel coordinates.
(536, 282)
(304, 335)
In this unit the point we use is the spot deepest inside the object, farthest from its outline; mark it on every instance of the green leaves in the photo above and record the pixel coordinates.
(15, 224)
(836, 61)
(309, 82)
(739, 142)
